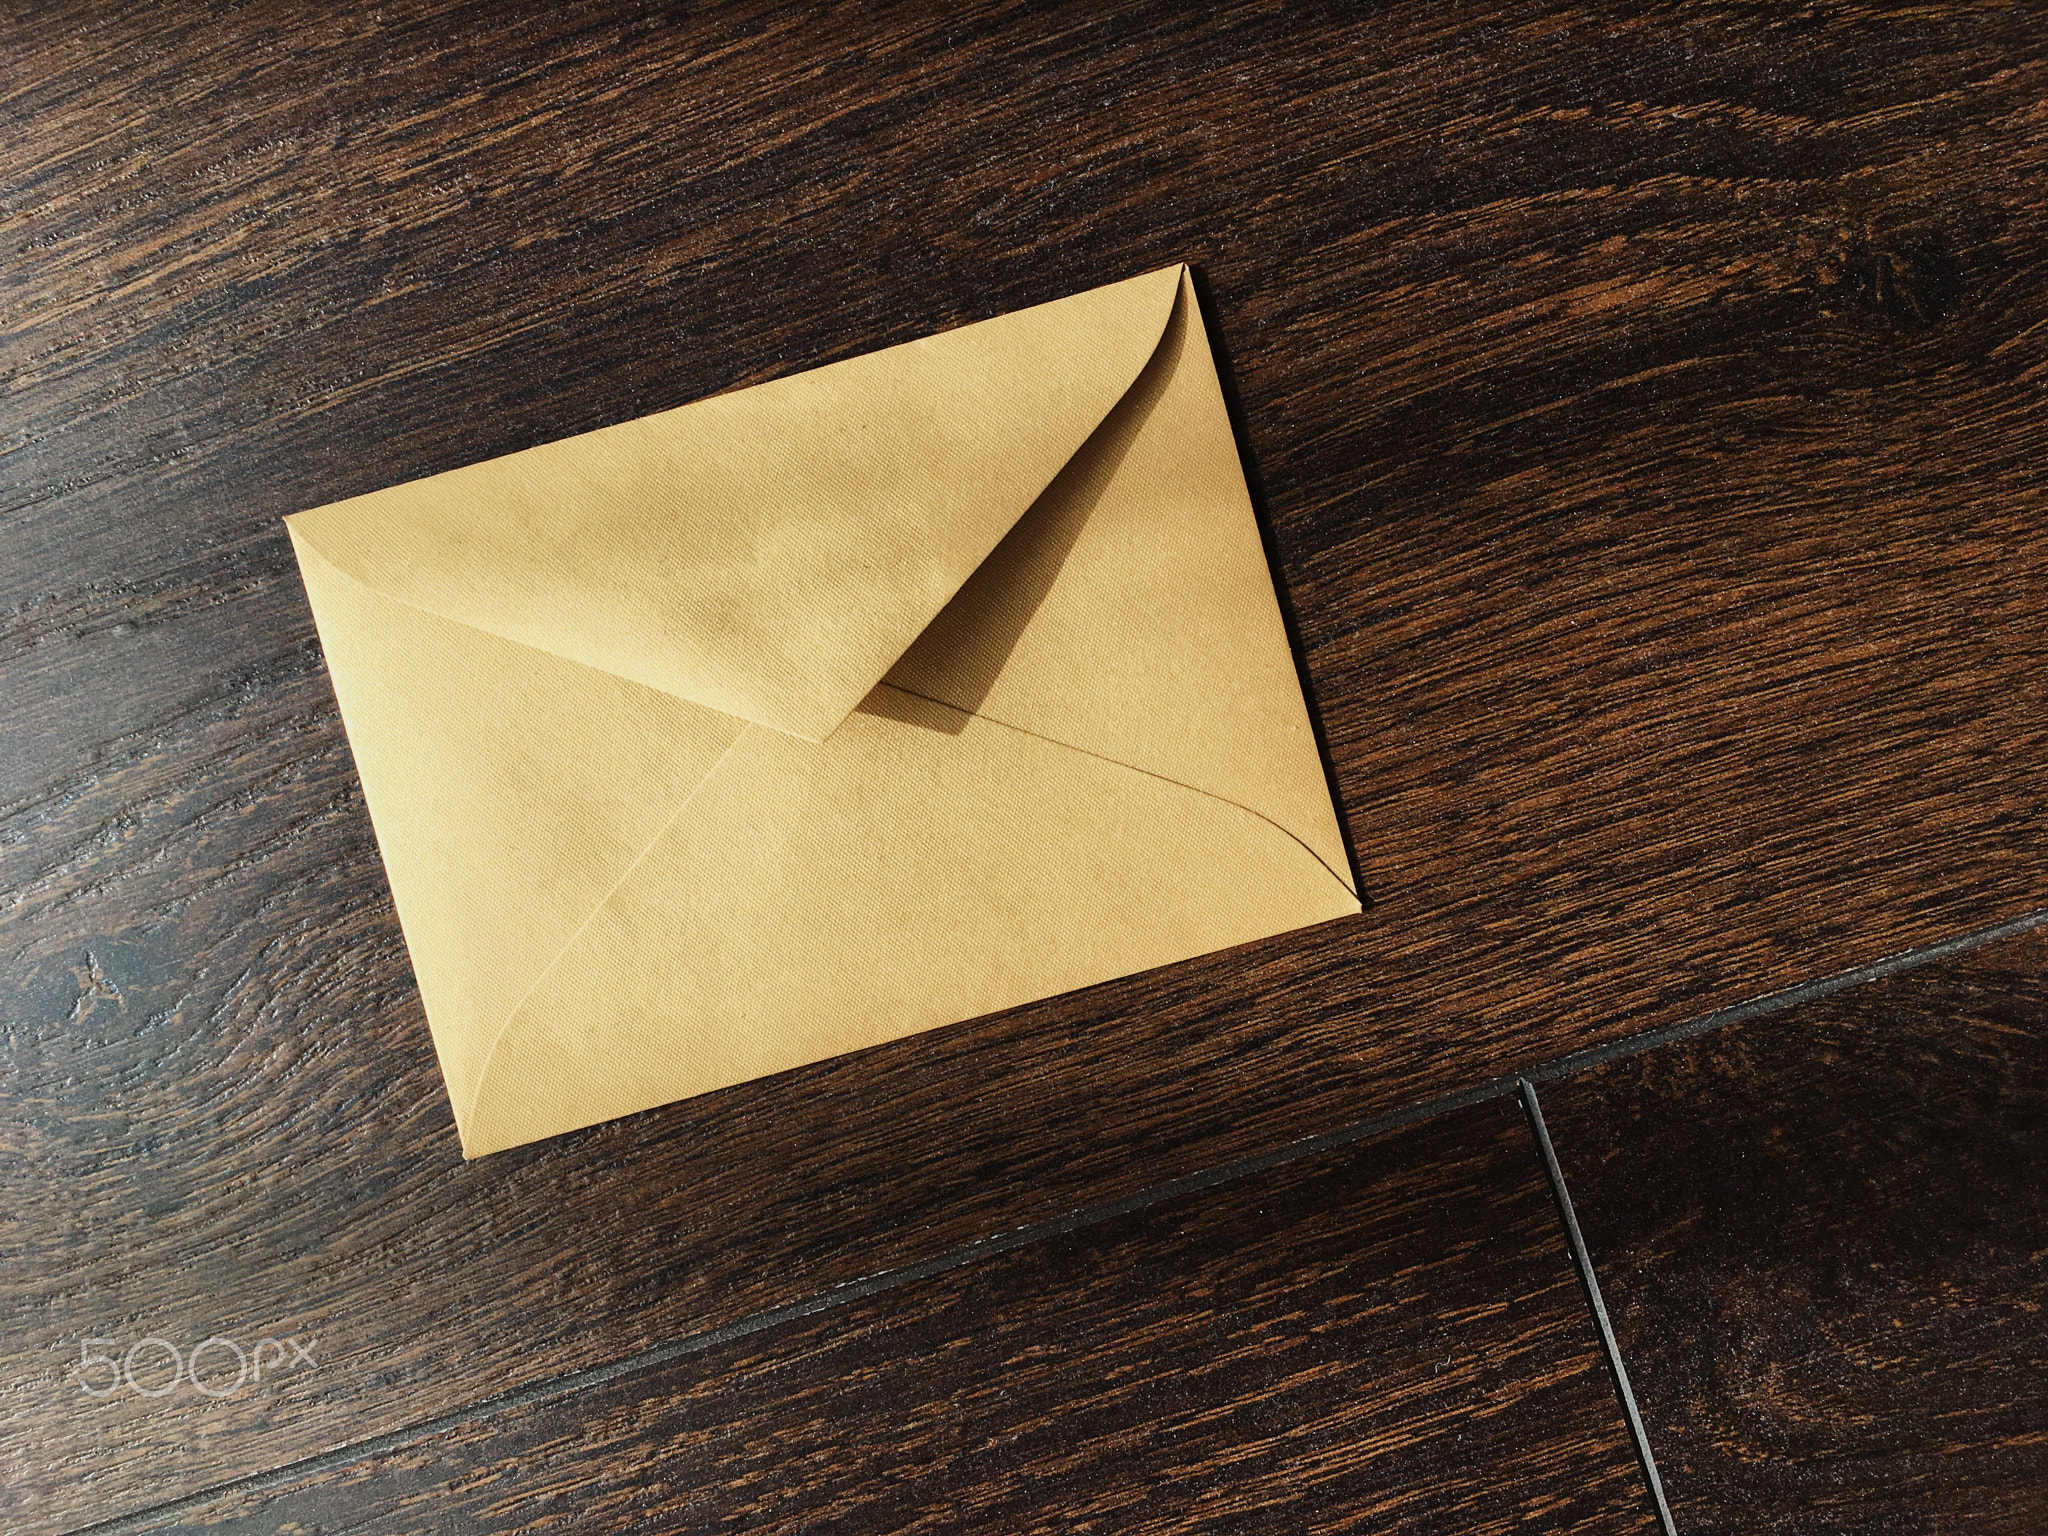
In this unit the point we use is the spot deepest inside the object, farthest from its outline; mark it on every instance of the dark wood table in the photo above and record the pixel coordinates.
(1646, 411)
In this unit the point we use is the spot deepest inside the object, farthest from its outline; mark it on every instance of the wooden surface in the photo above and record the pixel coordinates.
(1388, 1338)
(1823, 1243)
(1644, 409)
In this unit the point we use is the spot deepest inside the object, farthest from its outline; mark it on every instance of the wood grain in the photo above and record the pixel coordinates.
(1825, 1250)
(1644, 405)
(1387, 1338)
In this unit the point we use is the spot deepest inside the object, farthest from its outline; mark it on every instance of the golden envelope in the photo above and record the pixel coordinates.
(914, 687)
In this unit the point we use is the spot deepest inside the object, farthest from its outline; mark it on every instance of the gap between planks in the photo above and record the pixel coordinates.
(1521, 1085)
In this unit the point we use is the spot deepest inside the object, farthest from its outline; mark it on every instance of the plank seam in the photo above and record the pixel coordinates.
(1519, 1084)
(1589, 1283)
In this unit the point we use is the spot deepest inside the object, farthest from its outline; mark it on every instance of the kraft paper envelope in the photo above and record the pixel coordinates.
(883, 696)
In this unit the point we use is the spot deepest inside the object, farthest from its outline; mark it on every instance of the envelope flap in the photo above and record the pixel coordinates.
(771, 552)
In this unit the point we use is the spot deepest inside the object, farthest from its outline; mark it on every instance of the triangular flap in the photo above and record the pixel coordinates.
(510, 789)
(723, 956)
(1132, 613)
(767, 553)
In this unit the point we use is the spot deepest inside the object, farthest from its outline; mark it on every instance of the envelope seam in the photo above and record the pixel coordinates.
(511, 1014)
(1118, 762)
(301, 526)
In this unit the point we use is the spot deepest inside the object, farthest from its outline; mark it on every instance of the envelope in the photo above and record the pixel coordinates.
(882, 696)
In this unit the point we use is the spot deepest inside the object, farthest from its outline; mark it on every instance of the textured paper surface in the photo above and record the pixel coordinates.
(884, 696)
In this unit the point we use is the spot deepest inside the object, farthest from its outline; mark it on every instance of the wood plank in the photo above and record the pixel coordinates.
(1642, 413)
(1824, 1246)
(1389, 1337)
